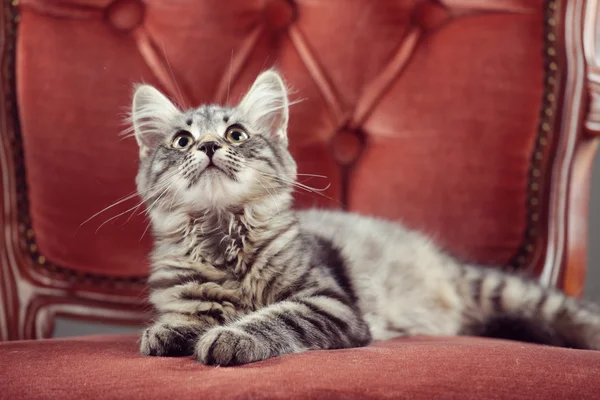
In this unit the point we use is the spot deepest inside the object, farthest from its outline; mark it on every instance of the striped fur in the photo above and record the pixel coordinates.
(238, 276)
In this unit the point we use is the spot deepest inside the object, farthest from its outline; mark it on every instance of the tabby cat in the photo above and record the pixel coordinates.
(238, 276)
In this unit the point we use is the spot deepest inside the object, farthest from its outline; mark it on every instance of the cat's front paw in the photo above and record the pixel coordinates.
(230, 346)
(165, 340)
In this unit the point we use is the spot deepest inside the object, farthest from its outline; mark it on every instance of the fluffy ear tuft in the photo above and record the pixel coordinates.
(266, 105)
(152, 114)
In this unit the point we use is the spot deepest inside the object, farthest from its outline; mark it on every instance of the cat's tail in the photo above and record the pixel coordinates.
(507, 306)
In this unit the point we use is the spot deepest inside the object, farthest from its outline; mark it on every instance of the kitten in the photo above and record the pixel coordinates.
(237, 276)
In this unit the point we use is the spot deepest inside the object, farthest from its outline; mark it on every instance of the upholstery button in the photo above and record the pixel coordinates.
(347, 145)
(430, 15)
(125, 15)
(279, 14)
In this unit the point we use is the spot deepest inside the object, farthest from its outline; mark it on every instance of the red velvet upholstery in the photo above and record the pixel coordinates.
(449, 120)
(473, 121)
(103, 367)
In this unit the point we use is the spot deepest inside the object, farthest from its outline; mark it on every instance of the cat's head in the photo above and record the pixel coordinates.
(214, 157)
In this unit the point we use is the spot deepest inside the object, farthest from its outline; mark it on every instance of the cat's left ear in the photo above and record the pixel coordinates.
(152, 114)
(266, 105)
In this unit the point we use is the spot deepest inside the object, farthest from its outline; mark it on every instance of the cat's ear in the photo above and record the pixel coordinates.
(152, 114)
(266, 105)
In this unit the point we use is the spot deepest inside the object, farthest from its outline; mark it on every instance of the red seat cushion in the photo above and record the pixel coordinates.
(418, 368)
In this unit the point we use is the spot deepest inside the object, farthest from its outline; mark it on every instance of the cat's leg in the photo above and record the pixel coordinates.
(172, 335)
(290, 326)
(188, 302)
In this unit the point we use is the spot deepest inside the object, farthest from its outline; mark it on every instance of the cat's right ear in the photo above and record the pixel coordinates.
(152, 114)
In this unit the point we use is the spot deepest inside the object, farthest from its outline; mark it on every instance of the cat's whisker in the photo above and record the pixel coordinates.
(270, 194)
(298, 184)
(271, 185)
(124, 199)
(135, 211)
(129, 197)
(156, 187)
(174, 197)
(314, 176)
(151, 206)
(116, 216)
(305, 188)
(127, 133)
(284, 179)
(127, 136)
(235, 157)
(291, 182)
(148, 223)
(288, 181)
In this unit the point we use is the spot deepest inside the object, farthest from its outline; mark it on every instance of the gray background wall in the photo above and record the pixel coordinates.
(65, 327)
(592, 286)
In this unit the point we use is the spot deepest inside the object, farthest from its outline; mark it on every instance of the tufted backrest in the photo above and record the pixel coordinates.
(467, 120)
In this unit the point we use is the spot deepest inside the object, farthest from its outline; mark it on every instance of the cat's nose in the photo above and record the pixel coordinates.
(209, 148)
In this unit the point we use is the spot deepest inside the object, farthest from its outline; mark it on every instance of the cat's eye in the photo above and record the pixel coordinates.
(236, 134)
(182, 140)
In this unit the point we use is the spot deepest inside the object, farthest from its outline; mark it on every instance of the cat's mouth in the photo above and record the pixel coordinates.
(214, 171)
(213, 167)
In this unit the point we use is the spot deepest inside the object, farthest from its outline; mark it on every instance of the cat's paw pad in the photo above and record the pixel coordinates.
(165, 340)
(230, 346)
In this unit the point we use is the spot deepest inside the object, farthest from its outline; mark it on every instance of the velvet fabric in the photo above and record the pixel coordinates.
(420, 111)
(109, 367)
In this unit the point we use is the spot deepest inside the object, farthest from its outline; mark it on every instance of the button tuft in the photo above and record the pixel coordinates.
(125, 15)
(430, 15)
(347, 145)
(279, 14)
